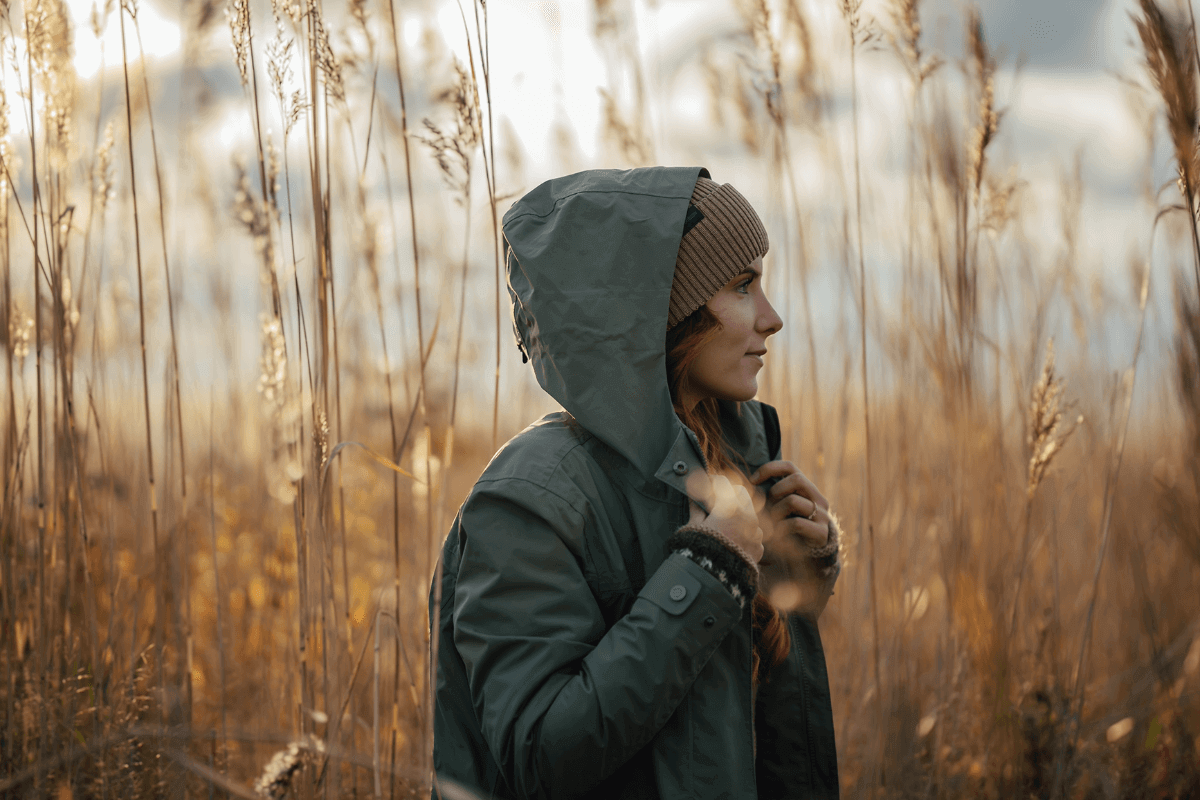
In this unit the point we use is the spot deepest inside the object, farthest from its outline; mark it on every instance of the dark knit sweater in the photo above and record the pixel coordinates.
(736, 571)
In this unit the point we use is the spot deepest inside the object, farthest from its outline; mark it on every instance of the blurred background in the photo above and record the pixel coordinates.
(257, 348)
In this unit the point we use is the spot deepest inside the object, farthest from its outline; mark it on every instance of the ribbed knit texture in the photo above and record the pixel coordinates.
(724, 560)
(826, 556)
(722, 245)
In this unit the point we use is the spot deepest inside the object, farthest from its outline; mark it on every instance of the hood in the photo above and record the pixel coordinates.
(590, 259)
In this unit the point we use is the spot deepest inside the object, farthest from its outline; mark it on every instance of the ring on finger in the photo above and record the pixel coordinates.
(812, 515)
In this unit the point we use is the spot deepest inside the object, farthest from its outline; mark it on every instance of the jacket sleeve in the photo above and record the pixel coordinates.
(562, 703)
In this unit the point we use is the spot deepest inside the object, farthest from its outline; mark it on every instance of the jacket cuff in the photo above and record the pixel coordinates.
(713, 551)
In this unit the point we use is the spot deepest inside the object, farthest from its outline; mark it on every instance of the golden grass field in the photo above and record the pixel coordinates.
(213, 580)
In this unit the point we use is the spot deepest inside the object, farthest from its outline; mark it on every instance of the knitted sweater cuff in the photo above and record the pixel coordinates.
(826, 557)
(723, 559)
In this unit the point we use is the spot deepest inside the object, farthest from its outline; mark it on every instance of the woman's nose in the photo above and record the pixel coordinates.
(769, 322)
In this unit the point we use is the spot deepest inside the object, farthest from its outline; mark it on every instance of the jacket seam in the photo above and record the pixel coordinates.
(586, 436)
(544, 488)
(590, 191)
(804, 698)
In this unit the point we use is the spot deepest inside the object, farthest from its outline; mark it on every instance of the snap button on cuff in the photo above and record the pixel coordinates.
(677, 592)
(680, 468)
(710, 621)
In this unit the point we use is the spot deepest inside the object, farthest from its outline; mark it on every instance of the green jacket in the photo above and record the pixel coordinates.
(576, 656)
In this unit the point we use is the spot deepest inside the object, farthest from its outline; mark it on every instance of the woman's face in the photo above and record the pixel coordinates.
(727, 365)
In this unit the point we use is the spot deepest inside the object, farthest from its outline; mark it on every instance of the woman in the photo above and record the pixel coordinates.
(590, 615)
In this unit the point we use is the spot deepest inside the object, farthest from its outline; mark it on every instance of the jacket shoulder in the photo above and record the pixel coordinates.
(549, 455)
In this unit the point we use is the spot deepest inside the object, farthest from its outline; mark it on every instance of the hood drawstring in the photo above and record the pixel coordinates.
(508, 254)
(520, 345)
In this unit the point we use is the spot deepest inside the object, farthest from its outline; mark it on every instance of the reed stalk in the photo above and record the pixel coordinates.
(185, 635)
(850, 10)
(774, 98)
(427, 728)
(1070, 738)
(40, 611)
(212, 530)
(375, 763)
(137, 238)
(488, 148)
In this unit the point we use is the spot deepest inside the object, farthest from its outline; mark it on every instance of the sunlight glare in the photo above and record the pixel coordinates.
(160, 36)
(533, 90)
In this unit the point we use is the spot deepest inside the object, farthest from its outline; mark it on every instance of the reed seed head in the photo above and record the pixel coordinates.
(277, 775)
(453, 147)
(255, 215)
(279, 59)
(1170, 51)
(238, 14)
(327, 61)
(20, 333)
(850, 11)
(99, 17)
(906, 41)
(625, 134)
(1000, 203)
(987, 120)
(102, 171)
(281, 410)
(273, 167)
(321, 436)
(1045, 437)
(49, 35)
(768, 81)
(295, 110)
(273, 379)
(7, 166)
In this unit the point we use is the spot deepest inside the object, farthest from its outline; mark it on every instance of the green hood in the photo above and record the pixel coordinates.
(590, 260)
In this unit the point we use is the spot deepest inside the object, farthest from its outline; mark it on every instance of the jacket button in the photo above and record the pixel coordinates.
(710, 621)
(680, 468)
(677, 592)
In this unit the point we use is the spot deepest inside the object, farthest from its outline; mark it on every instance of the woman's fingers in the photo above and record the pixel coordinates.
(791, 481)
(772, 469)
(796, 530)
(794, 536)
(798, 483)
(790, 516)
(815, 533)
(791, 501)
(793, 505)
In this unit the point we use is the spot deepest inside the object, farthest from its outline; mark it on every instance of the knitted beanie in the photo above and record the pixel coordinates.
(721, 236)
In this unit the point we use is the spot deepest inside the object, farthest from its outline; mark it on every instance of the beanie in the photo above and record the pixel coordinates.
(721, 236)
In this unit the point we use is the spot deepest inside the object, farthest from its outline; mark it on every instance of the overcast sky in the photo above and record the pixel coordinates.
(547, 72)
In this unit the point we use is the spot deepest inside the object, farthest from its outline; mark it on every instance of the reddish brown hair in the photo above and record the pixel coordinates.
(684, 342)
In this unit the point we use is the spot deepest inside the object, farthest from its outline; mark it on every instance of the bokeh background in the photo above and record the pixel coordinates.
(257, 349)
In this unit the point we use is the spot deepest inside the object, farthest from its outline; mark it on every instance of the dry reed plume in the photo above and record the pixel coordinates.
(245, 385)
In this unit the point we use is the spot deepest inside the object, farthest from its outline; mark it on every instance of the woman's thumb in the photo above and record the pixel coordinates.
(700, 489)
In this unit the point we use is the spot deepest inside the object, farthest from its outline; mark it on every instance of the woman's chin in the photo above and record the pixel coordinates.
(746, 391)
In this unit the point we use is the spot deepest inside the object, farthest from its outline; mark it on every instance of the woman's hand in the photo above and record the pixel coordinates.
(807, 582)
(732, 513)
(794, 506)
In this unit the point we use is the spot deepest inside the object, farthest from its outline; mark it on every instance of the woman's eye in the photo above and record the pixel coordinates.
(744, 286)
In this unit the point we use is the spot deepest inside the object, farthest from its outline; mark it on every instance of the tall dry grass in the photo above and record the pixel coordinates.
(213, 582)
